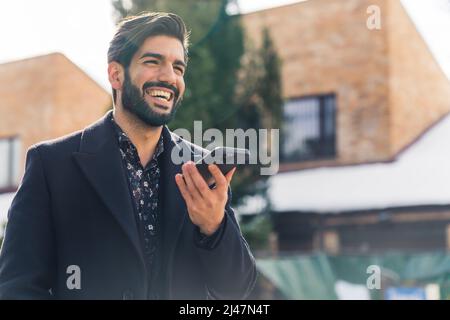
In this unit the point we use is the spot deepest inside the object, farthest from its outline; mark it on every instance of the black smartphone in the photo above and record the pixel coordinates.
(225, 158)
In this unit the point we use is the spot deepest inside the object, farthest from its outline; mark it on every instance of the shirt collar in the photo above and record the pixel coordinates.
(124, 140)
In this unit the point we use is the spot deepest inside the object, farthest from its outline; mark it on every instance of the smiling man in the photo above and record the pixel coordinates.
(105, 213)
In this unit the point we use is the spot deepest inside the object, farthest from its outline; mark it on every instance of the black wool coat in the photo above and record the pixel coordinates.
(74, 208)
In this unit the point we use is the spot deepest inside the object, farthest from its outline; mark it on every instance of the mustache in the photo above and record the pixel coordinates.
(147, 85)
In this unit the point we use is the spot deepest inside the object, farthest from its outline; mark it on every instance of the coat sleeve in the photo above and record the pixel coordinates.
(230, 267)
(27, 263)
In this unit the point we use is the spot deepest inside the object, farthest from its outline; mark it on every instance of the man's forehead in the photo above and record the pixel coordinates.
(165, 46)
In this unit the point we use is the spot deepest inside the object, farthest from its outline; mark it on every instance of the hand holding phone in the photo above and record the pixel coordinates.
(206, 206)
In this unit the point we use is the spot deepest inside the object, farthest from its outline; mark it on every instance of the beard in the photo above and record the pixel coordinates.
(134, 102)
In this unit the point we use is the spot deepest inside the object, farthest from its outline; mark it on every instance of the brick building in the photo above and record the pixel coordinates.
(359, 102)
(42, 98)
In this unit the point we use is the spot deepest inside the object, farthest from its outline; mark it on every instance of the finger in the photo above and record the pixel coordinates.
(199, 182)
(187, 174)
(221, 181)
(183, 188)
(230, 175)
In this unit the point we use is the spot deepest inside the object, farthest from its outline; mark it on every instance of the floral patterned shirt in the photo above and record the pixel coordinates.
(144, 186)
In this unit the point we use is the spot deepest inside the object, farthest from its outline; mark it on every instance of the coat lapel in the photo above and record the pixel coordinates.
(173, 207)
(100, 161)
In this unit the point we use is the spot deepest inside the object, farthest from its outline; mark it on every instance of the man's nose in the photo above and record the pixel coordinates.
(167, 74)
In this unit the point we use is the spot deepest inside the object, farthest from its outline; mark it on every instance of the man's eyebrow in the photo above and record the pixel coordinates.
(179, 62)
(152, 55)
(161, 57)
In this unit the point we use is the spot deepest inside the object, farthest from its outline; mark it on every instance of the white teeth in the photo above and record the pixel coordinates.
(159, 94)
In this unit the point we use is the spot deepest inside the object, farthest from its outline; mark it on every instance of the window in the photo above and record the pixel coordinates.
(9, 162)
(309, 129)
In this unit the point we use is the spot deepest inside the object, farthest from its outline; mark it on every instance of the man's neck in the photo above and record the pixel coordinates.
(144, 137)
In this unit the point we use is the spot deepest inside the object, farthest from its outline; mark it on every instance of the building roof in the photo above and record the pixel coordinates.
(419, 176)
(46, 72)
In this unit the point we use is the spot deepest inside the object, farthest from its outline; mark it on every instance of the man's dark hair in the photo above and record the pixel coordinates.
(134, 30)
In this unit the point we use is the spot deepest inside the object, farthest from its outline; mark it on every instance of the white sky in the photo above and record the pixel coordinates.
(82, 29)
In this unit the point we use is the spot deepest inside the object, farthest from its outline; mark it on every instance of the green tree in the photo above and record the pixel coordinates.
(257, 232)
(223, 90)
(259, 98)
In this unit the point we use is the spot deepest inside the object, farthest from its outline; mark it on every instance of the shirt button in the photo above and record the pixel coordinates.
(127, 295)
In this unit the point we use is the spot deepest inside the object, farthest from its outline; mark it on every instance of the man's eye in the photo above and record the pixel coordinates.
(180, 70)
(151, 61)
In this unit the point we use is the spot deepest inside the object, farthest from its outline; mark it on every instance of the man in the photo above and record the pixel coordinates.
(105, 213)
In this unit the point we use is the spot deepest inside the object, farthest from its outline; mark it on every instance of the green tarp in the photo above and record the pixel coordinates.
(314, 276)
(303, 277)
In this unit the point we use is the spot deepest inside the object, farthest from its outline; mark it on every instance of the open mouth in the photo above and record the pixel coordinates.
(162, 95)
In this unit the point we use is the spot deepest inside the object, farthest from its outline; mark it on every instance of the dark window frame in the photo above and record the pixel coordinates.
(324, 146)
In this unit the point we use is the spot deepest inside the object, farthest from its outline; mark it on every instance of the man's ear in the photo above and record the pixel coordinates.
(115, 75)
